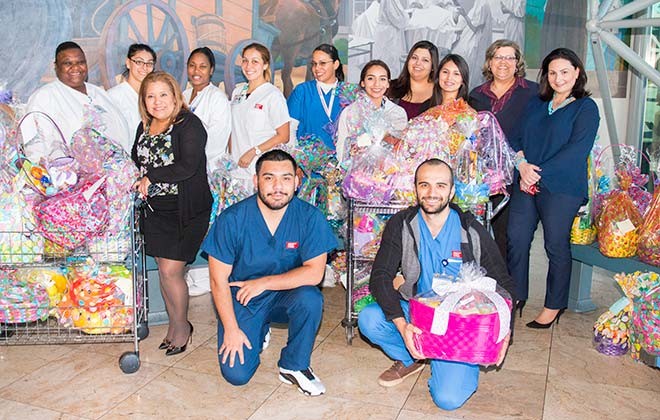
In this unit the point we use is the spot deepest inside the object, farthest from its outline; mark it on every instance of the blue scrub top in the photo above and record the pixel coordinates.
(445, 247)
(305, 106)
(240, 237)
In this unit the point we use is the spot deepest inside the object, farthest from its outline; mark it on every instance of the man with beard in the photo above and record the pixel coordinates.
(433, 237)
(267, 255)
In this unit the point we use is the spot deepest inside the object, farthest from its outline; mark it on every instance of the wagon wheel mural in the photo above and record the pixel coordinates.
(163, 31)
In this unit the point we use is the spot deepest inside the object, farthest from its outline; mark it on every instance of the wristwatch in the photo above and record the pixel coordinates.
(257, 151)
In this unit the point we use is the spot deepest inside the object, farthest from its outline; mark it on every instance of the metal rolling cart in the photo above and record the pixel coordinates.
(353, 258)
(47, 327)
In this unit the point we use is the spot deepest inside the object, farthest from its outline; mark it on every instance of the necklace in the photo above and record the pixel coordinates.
(565, 102)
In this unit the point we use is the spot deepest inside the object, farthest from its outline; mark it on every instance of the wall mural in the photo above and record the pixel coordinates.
(361, 29)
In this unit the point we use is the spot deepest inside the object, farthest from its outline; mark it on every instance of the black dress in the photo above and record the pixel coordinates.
(175, 161)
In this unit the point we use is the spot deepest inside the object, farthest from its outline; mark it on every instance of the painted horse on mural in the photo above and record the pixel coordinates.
(303, 25)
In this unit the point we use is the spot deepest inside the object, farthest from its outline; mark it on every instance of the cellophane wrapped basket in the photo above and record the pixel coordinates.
(648, 248)
(619, 223)
(464, 320)
(583, 230)
(21, 301)
(645, 333)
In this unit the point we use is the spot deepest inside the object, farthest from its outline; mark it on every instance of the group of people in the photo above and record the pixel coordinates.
(268, 252)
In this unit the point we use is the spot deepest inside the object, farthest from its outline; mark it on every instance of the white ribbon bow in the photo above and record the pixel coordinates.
(455, 292)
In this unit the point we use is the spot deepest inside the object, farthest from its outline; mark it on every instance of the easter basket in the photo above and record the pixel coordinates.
(648, 248)
(646, 321)
(463, 321)
(21, 301)
(619, 223)
(68, 219)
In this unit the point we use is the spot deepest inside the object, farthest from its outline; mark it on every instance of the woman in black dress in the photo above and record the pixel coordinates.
(169, 152)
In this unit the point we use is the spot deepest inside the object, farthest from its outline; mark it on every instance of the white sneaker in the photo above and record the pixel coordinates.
(264, 346)
(306, 380)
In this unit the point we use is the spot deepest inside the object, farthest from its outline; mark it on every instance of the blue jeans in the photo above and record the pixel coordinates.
(301, 308)
(451, 383)
(556, 213)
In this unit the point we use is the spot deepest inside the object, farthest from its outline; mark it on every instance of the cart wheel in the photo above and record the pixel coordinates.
(129, 362)
(349, 335)
(143, 330)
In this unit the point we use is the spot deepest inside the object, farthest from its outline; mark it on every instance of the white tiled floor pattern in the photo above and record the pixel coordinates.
(552, 374)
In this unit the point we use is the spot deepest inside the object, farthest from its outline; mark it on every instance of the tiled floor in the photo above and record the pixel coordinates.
(553, 374)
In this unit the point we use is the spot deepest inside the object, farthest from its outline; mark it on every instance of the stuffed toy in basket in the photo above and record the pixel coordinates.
(465, 320)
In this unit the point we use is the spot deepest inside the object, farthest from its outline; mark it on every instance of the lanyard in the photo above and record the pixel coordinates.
(327, 107)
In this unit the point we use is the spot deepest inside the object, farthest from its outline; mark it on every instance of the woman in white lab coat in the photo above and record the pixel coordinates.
(140, 61)
(209, 103)
(260, 117)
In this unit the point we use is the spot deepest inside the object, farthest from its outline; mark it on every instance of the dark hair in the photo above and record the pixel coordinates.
(67, 45)
(205, 51)
(462, 68)
(400, 86)
(579, 91)
(136, 48)
(334, 54)
(275, 155)
(374, 63)
(490, 54)
(436, 162)
(265, 56)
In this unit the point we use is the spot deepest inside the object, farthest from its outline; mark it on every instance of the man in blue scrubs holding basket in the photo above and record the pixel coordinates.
(267, 255)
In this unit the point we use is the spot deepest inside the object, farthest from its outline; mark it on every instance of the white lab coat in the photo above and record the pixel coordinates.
(212, 107)
(255, 120)
(65, 106)
(126, 100)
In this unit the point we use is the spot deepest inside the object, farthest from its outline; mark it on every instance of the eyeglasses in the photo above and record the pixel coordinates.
(320, 63)
(140, 63)
(504, 58)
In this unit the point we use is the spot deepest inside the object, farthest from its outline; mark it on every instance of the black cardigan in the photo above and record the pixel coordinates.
(189, 168)
(513, 111)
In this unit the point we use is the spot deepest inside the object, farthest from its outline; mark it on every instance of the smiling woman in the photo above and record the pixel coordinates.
(260, 119)
(505, 94)
(169, 152)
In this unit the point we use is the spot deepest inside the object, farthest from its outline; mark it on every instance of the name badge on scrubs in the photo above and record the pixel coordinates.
(291, 245)
(258, 106)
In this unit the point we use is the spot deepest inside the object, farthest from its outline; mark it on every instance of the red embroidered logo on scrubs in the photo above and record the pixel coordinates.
(291, 245)
(456, 254)
(258, 106)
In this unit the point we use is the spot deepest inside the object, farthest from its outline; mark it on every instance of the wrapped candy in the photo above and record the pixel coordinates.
(645, 333)
(21, 301)
(226, 189)
(20, 243)
(464, 319)
(583, 230)
(618, 226)
(369, 175)
(648, 248)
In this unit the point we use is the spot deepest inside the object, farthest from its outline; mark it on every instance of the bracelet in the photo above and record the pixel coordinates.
(518, 160)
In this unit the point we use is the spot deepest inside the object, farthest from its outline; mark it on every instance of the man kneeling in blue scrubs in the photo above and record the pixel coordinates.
(267, 255)
(430, 238)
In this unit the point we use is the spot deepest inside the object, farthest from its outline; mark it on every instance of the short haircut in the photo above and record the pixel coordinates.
(206, 51)
(521, 66)
(67, 45)
(436, 162)
(275, 155)
(168, 79)
(579, 89)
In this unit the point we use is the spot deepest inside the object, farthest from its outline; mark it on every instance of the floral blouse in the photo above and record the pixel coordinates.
(155, 151)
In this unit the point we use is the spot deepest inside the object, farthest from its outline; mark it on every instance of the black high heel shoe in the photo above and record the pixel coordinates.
(538, 326)
(165, 344)
(520, 305)
(172, 351)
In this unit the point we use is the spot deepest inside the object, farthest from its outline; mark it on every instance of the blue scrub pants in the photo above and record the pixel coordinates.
(556, 213)
(301, 308)
(451, 383)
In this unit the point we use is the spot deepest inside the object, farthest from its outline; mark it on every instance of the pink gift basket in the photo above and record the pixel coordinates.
(462, 320)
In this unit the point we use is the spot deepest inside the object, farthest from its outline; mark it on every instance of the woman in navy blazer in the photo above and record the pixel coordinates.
(552, 145)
